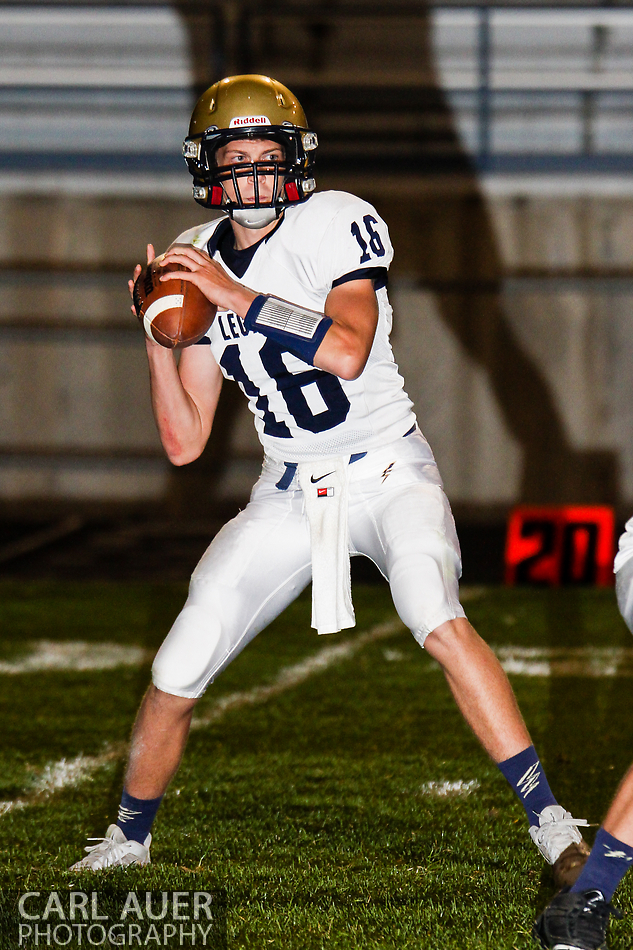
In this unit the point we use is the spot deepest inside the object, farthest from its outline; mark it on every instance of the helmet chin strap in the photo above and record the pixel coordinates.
(255, 217)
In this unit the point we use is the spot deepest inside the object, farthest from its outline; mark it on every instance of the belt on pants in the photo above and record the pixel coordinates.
(291, 467)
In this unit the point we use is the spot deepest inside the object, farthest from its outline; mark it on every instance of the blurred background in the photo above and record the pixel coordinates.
(497, 142)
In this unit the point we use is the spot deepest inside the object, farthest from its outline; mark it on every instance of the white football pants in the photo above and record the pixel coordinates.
(624, 592)
(260, 561)
(623, 568)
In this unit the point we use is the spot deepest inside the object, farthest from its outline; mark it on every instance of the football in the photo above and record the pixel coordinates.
(173, 313)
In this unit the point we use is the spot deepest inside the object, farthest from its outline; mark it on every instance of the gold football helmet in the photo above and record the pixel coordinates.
(250, 107)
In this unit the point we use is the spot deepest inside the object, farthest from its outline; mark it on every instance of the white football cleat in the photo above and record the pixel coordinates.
(114, 851)
(557, 830)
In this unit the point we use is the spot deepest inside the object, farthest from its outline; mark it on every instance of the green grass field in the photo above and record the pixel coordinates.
(315, 806)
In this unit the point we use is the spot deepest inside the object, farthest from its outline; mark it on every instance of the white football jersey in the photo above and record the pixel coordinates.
(301, 412)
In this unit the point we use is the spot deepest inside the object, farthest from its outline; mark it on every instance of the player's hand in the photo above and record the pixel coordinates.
(151, 254)
(209, 277)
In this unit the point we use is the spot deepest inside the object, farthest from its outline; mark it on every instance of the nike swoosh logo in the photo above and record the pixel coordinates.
(315, 480)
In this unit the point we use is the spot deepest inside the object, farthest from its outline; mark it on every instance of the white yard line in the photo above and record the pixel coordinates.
(57, 776)
(449, 789)
(52, 655)
(589, 662)
(68, 773)
(291, 676)
(78, 655)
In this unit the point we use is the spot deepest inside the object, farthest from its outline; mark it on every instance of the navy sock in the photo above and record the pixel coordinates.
(525, 774)
(136, 816)
(607, 864)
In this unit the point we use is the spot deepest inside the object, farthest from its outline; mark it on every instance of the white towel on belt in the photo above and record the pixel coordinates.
(325, 487)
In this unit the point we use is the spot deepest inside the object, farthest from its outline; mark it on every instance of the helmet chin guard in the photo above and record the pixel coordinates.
(254, 217)
(250, 107)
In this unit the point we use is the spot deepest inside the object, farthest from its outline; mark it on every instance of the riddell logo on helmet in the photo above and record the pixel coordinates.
(241, 120)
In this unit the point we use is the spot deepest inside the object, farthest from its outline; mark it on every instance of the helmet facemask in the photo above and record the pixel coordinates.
(293, 181)
(256, 210)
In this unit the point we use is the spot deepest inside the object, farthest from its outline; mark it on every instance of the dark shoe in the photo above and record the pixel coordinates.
(574, 922)
(567, 867)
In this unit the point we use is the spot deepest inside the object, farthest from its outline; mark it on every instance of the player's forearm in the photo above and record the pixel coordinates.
(343, 352)
(182, 430)
(346, 346)
(338, 341)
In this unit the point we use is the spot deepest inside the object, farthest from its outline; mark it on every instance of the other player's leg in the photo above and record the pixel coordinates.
(255, 566)
(580, 916)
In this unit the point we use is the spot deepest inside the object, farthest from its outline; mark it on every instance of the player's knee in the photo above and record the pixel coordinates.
(424, 593)
(191, 652)
(168, 704)
(450, 638)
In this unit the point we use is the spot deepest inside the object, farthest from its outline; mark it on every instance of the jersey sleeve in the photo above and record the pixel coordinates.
(355, 245)
(200, 234)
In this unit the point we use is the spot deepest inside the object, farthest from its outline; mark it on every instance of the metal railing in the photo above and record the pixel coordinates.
(427, 104)
(429, 144)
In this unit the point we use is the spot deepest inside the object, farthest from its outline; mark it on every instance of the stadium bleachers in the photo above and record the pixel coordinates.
(553, 84)
(94, 103)
(94, 86)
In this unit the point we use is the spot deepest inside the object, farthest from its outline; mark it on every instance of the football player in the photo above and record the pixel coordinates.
(577, 918)
(303, 322)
